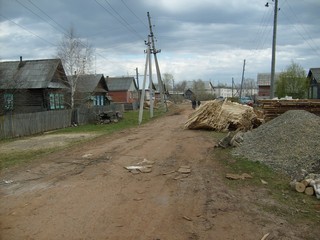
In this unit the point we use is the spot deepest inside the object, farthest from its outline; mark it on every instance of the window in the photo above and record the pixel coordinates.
(99, 100)
(8, 101)
(56, 101)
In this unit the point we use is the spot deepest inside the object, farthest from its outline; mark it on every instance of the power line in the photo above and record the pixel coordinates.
(38, 16)
(64, 33)
(48, 16)
(134, 14)
(123, 22)
(315, 48)
(29, 31)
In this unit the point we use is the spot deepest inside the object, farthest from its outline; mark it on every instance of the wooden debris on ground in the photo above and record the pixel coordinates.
(309, 186)
(233, 176)
(223, 116)
(184, 172)
(144, 166)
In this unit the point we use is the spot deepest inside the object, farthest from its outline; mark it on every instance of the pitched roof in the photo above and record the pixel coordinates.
(89, 83)
(32, 74)
(315, 73)
(120, 83)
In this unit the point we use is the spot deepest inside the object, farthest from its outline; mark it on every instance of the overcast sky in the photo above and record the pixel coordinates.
(199, 39)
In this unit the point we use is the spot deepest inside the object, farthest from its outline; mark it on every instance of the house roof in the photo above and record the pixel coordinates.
(89, 83)
(120, 83)
(315, 72)
(32, 74)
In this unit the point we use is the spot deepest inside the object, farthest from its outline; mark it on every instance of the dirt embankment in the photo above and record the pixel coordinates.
(86, 193)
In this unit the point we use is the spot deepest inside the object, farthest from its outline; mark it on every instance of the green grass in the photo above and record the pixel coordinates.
(130, 119)
(290, 204)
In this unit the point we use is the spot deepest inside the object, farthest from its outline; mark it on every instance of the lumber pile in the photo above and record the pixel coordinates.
(309, 186)
(274, 108)
(223, 116)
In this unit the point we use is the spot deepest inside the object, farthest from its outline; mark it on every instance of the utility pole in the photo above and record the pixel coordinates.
(244, 65)
(274, 43)
(137, 77)
(155, 51)
(144, 81)
(232, 88)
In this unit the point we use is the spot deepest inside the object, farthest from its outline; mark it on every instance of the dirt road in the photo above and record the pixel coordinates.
(86, 193)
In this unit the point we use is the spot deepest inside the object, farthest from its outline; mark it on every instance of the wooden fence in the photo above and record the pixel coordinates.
(18, 125)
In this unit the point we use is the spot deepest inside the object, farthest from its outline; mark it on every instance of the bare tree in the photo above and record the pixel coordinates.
(76, 55)
(181, 86)
(168, 81)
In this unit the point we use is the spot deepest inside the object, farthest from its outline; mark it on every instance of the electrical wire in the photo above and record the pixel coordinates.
(134, 14)
(123, 22)
(39, 16)
(64, 32)
(28, 30)
(309, 40)
(48, 16)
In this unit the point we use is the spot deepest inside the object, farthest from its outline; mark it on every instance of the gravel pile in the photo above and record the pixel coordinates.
(288, 143)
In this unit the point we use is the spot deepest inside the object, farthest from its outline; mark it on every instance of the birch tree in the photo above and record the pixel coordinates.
(76, 55)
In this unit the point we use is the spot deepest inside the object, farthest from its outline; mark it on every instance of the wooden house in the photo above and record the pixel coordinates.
(91, 90)
(123, 89)
(33, 86)
(188, 94)
(314, 83)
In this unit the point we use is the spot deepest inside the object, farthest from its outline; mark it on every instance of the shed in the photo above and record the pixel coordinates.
(314, 83)
(33, 86)
(189, 95)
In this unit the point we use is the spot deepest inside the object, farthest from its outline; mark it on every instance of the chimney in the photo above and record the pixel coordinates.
(21, 64)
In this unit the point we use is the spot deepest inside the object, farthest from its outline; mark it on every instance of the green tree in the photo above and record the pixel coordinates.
(292, 82)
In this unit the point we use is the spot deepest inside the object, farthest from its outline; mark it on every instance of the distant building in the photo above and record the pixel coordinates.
(263, 81)
(314, 83)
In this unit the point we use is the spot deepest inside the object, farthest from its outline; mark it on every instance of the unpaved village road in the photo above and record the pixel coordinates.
(85, 192)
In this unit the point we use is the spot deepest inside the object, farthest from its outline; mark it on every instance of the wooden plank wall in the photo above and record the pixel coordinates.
(274, 108)
(26, 124)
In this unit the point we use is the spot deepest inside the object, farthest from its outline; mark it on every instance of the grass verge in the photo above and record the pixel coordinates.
(291, 205)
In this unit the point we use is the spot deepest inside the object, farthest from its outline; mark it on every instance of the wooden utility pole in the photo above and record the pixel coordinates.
(244, 66)
(232, 83)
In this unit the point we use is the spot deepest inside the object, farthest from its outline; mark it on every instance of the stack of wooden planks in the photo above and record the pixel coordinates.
(274, 108)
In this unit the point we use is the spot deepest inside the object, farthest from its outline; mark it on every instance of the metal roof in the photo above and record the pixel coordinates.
(315, 73)
(32, 74)
(89, 83)
(120, 83)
